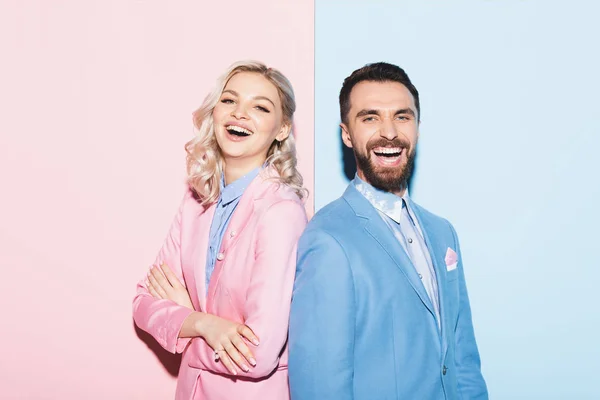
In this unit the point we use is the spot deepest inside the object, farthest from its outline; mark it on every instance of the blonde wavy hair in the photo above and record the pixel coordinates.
(204, 159)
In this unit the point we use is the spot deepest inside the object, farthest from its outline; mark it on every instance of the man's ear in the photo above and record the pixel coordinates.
(346, 135)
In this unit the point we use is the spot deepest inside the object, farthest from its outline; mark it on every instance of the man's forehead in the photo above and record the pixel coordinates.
(383, 94)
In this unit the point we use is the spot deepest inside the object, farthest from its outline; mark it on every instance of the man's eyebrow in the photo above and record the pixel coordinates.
(408, 111)
(363, 113)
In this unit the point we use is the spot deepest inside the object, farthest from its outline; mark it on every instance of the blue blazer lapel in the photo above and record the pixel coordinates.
(376, 228)
(437, 251)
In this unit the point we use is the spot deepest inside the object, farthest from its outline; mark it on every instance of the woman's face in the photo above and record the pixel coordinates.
(248, 118)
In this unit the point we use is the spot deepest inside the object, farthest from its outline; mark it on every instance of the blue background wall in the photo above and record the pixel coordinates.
(508, 153)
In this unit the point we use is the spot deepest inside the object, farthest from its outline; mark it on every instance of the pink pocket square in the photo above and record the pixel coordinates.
(451, 259)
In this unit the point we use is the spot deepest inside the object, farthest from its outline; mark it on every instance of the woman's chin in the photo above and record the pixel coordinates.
(233, 154)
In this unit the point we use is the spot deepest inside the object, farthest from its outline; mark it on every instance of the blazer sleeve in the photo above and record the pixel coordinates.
(269, 294)
(163, 318)
(471, 384)
(322, 321)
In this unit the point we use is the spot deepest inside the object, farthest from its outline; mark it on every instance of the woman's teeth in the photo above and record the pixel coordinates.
(238, 130)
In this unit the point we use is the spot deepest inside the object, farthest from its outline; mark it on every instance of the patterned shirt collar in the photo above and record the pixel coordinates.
(385, 202)
(236, 188)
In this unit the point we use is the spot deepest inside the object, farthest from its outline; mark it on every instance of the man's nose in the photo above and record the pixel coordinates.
(388, 130)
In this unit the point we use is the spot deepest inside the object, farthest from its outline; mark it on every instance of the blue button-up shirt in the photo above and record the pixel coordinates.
(226, 205)
(399, 217)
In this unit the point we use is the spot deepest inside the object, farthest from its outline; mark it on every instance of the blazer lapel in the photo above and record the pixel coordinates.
(377, 228)
(239, 220)
(437, 251)
(200, 238)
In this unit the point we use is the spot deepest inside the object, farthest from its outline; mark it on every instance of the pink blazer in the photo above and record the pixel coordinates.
(251, 284)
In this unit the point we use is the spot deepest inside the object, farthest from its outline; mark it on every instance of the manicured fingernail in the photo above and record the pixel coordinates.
(253, 362)
(245, 367)
(233, 372)
(255, 342)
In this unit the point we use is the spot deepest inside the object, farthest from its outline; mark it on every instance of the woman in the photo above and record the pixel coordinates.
(220, 288)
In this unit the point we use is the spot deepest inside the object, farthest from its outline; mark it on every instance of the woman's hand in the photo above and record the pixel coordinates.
(226, 339)
(163, 284)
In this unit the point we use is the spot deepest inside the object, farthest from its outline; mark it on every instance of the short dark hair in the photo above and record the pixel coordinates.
(376, 72)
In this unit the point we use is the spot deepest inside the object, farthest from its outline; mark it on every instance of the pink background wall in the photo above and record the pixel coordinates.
(96, 100)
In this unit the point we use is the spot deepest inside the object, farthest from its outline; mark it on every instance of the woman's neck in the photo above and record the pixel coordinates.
(235, 169)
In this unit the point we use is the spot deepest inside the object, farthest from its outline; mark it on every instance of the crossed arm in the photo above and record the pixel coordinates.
(162, 304)
(163, 308)
(222, 335)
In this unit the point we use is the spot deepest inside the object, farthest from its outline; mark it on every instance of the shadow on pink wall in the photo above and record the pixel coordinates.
(169, 361)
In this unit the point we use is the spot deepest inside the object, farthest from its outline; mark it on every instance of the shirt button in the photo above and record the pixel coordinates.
(420, 276)
(444, 370)
(410, 240)
(220, 256)
(232, 233)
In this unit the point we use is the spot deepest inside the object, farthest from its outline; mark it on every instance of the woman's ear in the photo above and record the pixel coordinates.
(284, 132)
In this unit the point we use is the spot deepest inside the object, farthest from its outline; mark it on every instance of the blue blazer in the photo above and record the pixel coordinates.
(362, 326)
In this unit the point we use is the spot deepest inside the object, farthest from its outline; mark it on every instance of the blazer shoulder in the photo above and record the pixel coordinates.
(335, 219)
(191, 203)
(276, 193)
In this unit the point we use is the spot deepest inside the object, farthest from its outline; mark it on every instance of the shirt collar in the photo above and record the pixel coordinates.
(385, 202)
(236, 188)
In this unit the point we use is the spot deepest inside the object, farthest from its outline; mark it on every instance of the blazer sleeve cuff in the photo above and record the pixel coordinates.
(170, 339)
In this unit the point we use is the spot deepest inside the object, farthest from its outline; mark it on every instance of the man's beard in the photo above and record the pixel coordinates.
(390, 179)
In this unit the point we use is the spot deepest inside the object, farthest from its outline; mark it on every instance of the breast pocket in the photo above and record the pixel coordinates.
(452, 275)
(451, 298)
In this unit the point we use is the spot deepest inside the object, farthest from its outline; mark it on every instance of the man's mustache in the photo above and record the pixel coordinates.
(398, 142)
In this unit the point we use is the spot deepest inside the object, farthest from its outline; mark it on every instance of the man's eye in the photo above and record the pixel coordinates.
(369, 119)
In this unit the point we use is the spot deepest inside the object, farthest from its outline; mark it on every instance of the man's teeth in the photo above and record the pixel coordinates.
(238, 129)
(388, 150)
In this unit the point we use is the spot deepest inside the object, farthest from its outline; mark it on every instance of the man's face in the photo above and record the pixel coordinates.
(382, 128)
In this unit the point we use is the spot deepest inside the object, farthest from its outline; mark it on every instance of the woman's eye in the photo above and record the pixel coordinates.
(227, 101)
(263, 109)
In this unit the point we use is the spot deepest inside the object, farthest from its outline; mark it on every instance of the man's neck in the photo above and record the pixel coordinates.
(400, 192)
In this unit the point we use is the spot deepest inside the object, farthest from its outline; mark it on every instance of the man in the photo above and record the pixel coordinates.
(380, 307)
